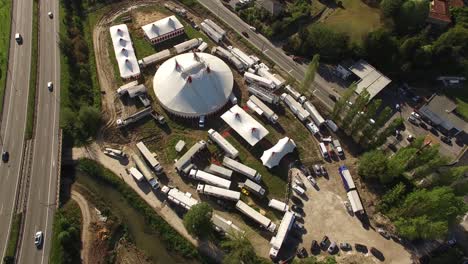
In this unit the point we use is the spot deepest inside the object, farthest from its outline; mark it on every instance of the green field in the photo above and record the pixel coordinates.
(33, 74)
(5, 20)
(356, 19)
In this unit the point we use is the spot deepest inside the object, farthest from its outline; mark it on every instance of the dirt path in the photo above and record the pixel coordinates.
(86, 235)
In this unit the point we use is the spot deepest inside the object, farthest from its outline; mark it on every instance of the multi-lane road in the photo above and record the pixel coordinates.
(41, 202)
(320, 87)
(14, 114)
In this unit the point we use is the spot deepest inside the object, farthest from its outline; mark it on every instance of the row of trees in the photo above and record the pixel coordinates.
(81, 115)
(67, 235)
(238, 248)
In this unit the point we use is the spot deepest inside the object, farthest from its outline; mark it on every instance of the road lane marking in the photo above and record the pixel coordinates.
(290, 70)
(1, 210)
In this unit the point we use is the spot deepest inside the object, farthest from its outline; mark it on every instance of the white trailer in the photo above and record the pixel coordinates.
(215, 26)
(244, 58)
(134, 117)
(219, 171)
(180, 198)
(123, 89)
(277, 241)
(314, 113)
(355, 202)
(295, 107)
(295, 94)
(202, 47)
(215, 36)
(278, 205)
(114, 153)
(221, 52)
(150, 157)
(225, 226)
(135, 91)
(263, 94)
(237, 63)
(323, 150)
(145, 171)
(254, 187)
(209, 178)
(218, 192)
(266, 74)
(256, 216)
(136, 174)
(188, 45)
(184, 162)
(262, 109)
(242, 169)
(259, 80)
(228, 148)
(154, 58)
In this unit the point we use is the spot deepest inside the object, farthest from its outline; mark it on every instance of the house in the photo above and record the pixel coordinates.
(439, 11)
(440, 112)
(274, 7)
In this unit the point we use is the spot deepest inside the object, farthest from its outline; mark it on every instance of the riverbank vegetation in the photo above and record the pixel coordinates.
(80, 101)
(66, 235)
(12, 243)
(5, 22)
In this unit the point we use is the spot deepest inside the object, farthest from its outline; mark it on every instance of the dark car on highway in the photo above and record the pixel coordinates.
(245, 34)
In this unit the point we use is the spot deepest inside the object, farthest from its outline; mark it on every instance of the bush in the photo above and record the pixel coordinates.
(197, 220)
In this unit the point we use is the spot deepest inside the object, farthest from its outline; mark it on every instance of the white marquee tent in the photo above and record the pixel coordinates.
(124, 53)
(245, 125)
(273, 156)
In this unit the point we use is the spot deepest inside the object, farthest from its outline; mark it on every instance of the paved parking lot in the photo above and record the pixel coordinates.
(325, 214)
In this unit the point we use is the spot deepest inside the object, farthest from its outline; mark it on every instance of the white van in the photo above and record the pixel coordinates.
(298, 189)
(312, 128)
(323, 150)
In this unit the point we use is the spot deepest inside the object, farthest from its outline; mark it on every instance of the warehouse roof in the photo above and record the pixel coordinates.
(124, 53)
(193, 84)
(245, 125)
(162, 27)
(271, 157)
(371, 79)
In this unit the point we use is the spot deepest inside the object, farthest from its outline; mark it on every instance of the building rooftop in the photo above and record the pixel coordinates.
(439, 11)
(371, 79)
(162, 27)
(124, 53)
(440, 111)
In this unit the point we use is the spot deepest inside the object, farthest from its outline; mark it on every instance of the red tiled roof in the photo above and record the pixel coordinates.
(440, 11)
(456, 3)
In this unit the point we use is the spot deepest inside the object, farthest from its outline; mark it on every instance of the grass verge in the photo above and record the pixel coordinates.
(33, 72)
(171, 238)
(5, 21)
(13, 239)
(66, 236)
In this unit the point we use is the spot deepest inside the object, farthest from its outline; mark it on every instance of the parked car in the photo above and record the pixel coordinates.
(298, 225)
(298, 181)
(446, 140)
(383, 233)
(38, 237)
(324, 242)
(332, 248)
(314, 246)
(323, 171)
(361, 248)
(413, 120)
(297, 201)
(301, 252)
(297, 215)
(5, 156)
(345, 246)
(298, 189)
(410, 138)
(312, 180)
(451, 242)
(348, 207)
(297, 209)
(317, 171)
(376, 253)
(51, 15)
(415, 115)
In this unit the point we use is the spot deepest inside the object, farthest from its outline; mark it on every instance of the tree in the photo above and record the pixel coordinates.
(460, 16)
(390, 7)
(310, 73)
(412, 15)
(343, 101)
(392, 198)
(373, 164)
(381, 49)
(88, 123)
(450, 50)
(239, 249)
(197, 220)
(356, 108)
(364, 119)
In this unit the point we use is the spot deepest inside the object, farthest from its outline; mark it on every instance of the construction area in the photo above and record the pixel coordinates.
(193, 115)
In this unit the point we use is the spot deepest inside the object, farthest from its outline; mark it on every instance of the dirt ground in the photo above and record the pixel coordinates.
(127, 253)
(85, 234)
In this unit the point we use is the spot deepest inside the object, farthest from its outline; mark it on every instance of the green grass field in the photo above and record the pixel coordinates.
(356, 19)
(33, 74)
(5, 20)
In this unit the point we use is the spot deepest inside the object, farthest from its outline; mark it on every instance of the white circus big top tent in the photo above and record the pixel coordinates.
(193, 84)
(273, 156)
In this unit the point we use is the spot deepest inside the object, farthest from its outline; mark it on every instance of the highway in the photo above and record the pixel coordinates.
(14, 114)
(41, 202)
(320, 87)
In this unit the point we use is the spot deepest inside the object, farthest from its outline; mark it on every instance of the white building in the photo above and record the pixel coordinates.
(273, 156)
(193, 84)
(245, 125)
(124, 52)
(163, 29)
(370, 78)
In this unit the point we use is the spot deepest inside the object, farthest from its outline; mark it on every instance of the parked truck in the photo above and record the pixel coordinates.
(145, 171)
(228, 148)
(219, 171)
(314, 113)
(218, 192)
(263, 94)
(256, 216)
(213, 34)
(295, 107)
(242, 169)
(254, 187)
(262, 109)
(337, 145)
(135, 117)
(209, 178)
(259, 80)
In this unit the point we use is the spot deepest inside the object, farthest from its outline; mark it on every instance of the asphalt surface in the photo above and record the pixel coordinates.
(44, 171)
(319, 88)
(14, 114)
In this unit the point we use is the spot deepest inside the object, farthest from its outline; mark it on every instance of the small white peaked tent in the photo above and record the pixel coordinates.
(273, 156)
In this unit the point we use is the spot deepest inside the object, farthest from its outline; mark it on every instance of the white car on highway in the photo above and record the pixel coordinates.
(50, 86)
(38, 237)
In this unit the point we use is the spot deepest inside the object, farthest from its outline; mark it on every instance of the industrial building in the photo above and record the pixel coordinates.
(262, 109)
(124, 52)
(272, 157)
(163, 29)
(192, 85)
(371, 79)
(218, 192)
(245, 125)
(277, 241)
(256, 216)
(242, 169)
(182, 199)
(228, 148)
